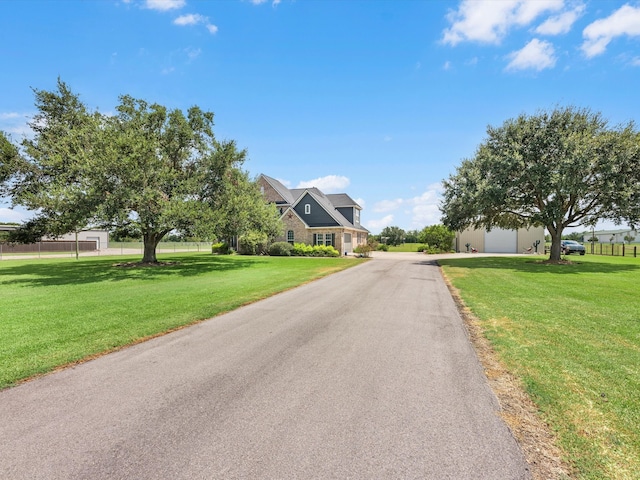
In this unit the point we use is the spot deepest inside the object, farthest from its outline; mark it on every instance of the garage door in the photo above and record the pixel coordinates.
(501, 241)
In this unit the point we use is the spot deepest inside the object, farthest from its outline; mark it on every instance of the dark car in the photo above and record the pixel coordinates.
(571, 246)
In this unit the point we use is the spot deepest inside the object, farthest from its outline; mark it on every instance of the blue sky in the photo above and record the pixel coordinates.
(380, 99)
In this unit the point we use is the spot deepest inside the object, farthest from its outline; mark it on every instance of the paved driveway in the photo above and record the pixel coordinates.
(366, 374)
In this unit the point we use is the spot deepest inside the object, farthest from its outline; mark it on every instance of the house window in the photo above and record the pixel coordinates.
(324, 239)
(307, 209)
(357, 216)
(290, 237)
(328, 239)
(347, 238)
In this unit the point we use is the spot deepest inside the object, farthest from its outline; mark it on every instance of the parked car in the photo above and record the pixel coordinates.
(571, 246)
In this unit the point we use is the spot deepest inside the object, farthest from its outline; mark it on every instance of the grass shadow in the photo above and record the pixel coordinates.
(96, 270)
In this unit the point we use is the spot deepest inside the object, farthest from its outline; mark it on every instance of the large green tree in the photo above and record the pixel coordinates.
(557, 169)
(46, 174)
(146, 168)
(241, 209)
(437, 236)
(392, 235)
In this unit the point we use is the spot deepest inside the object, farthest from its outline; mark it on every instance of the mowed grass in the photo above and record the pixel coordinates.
(572, 334)
(57, 311)
(405, 247)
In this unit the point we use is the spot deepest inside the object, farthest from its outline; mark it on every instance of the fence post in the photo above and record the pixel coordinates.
(623, 249)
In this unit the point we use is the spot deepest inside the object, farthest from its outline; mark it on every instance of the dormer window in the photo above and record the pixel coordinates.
(357, 216)
(307, 208)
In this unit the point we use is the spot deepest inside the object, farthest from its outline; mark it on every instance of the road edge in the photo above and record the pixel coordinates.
(537, 442)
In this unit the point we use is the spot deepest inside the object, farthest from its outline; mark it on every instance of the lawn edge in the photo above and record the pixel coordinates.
(117, 348)
(536, 439)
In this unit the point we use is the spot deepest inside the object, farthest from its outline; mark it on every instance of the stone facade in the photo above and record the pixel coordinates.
(270, 193)
(300, 232)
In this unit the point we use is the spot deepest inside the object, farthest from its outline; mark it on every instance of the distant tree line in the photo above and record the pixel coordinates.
(434, 238)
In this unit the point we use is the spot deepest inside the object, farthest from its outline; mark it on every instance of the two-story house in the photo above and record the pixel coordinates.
(315, 218)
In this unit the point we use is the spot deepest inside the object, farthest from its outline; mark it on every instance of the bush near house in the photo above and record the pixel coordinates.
(254, 243)
(221, 248)
(304, 250)
(280, 249)
(364, 250)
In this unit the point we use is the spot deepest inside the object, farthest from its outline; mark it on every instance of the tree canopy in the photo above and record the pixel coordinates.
(392, 235)
(146, 169)
(557, 169)
(437, 236)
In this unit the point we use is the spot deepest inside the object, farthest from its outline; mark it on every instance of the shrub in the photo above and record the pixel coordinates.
(364, 250)
(252, 244)
(325, 251)
(426, 248)
(280, 249)
(221, 248)
(304, 250)
(438, 237)
(383, 247)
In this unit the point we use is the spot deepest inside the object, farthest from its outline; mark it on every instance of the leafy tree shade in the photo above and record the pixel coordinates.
(558, 169)
(392, 235)
(437, 236)
(146, 169)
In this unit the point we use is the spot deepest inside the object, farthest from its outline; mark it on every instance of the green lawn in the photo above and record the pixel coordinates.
(572, 334)
(405, 247)
(56, 311)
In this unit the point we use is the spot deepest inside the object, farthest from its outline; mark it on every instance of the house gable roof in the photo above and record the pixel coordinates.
(329, 207)
(340, 200)
(283, 191)
(330, 203)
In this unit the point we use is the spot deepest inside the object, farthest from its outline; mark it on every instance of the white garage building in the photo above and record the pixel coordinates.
(499, 240)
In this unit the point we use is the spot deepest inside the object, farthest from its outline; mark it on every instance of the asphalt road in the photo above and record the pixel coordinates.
(365, 374)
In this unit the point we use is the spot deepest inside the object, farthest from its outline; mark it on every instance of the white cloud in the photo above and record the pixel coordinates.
(13, 216)
(536, 55)
(195, 19)
(447, 65)
(635, 61)
(361, 202)
(380, 223)
(164, 5)
(388, 205)
(561, 23)
(488, 21)
(192, 53)
(190, 19)
(328, 184)
(425, 209)
(15, 123)
(598, 35)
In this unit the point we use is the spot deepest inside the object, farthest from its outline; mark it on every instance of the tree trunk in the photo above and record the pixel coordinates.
(151, 241)
(556, 238)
